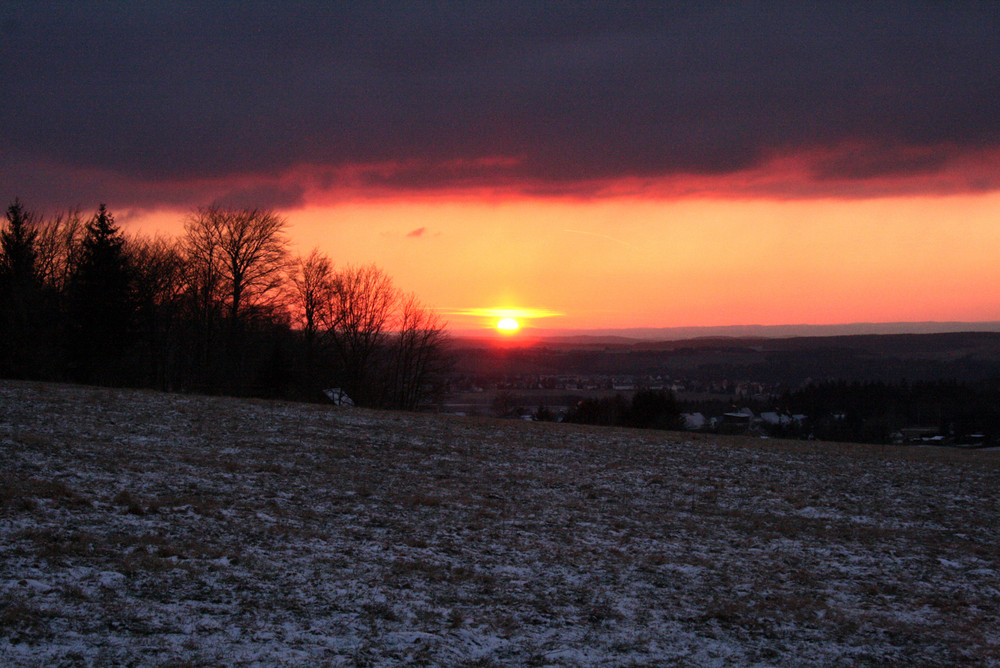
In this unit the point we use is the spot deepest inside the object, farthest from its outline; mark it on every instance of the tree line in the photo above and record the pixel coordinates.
(872, 412)
(647, 409)
(224, 307)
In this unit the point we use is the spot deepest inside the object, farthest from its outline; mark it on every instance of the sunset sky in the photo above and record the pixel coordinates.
(591, 165)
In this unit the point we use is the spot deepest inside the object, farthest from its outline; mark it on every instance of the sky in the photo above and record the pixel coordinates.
(590, 164)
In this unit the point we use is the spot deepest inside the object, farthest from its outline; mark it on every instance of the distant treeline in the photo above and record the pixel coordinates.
(878, 412)
(647, 409)
(223, 308)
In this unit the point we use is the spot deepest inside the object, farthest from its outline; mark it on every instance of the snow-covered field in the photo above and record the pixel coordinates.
(144, 528)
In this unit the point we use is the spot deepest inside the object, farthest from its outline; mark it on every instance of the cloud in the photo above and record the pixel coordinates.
(172, 104)
(417, 233)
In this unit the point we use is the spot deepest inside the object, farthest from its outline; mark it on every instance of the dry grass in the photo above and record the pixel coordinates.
(144, 528)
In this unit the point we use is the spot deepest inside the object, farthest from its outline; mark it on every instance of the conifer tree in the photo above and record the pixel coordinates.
(17, 245)
(20, 294)
(100, 308)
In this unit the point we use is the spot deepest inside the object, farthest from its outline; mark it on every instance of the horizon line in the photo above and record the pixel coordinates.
(753, 330)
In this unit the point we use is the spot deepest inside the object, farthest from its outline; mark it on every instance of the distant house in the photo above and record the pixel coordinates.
(742, 416)
(736, 422)
(338, 396)
(912, 435)
(780, 419)
(774, 419)
(694, 421)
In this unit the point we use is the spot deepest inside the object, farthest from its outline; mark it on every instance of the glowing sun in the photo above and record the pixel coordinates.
(506, 321)
(508, 325)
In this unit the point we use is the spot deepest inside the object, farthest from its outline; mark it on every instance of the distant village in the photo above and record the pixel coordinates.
(723, 406)
(559, 393)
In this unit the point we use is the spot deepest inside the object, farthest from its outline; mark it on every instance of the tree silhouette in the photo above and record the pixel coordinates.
(364, 301)
(238, 259)
(648, 409)
(158, 284)
(20, 294)
(417, 355)
(210, 311)
(311, 295)
(654, 409)
(58, 246)
(100, 307)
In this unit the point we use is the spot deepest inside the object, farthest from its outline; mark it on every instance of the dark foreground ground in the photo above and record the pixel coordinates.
(144, 528)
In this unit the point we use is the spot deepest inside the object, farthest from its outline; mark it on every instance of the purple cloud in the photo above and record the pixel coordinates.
(178, 104)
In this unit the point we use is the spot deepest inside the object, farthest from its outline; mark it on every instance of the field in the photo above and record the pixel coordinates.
(146, 528)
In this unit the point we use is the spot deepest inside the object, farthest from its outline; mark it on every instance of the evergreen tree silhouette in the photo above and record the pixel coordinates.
(100, 308)
(20, 294)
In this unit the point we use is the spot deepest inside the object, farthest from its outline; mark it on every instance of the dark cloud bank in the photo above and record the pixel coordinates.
(173, 103)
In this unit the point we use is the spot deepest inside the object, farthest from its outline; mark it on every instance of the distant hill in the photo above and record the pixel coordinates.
(962, 356)
(620, 336)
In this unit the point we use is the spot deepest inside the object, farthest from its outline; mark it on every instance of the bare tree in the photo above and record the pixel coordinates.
(237, 259)
(418, 354)
(58, 246)
(364, 300)
(202, 280)
(311, 297)
(243, 253)
(389, 348)
(159, 275)
(312, 291)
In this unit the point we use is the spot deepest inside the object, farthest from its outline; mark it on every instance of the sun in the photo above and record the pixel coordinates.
(506, 321)
(508, 325)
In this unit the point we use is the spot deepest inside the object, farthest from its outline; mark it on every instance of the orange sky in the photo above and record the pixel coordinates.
(652, 165)
(634, 262)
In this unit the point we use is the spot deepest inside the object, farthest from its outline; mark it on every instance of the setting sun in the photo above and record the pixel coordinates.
(508, 325)
(504, 320)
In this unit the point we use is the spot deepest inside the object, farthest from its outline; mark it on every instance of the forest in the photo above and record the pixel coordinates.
(224, 308)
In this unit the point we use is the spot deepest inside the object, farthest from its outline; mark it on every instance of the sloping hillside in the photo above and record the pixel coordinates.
(147, 528)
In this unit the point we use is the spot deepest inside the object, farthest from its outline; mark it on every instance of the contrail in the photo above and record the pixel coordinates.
(602, 236)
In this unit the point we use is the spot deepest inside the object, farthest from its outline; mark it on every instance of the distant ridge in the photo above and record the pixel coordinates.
(626, 335)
